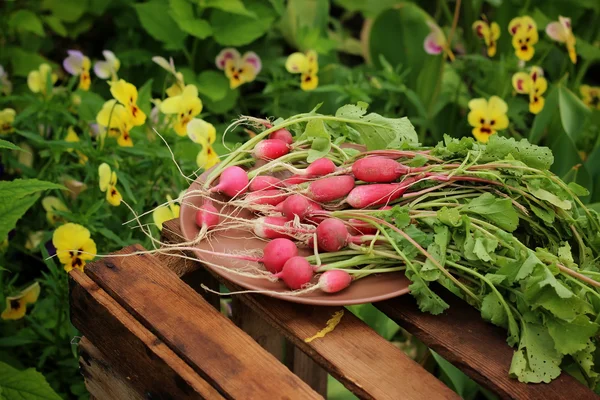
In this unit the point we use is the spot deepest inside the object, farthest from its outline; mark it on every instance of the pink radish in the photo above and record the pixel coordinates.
(283, 135)
(270, 149)
(296, 273)
(319, 167)
(233, 181)
(334, 280)
(296, 180)
(332, 235)
(330, 189)
(277, 252)
(268, 196)
(207, 215)
(377, 194)
(298, 205)
(268, 232)
(262, 182)
(378, 169)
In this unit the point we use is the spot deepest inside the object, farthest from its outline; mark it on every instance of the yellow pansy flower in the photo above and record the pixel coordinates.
(525, 36)
(533, 84)
(165, 213)
(108, 68)
(117, 121)
(79, 65)
(185, 106)
(108, 184)
(52, 204)
(204, 133)
(34, 239)
(562, 32)
(74, 246)
(127, 94)
(239, 69)
(37, 80)
(74, 138)
(307, 66)
(16, 306)
(7, 117)
(436, 41)
(490, 33)
(590, 96)
(487, 117)
(176, 88)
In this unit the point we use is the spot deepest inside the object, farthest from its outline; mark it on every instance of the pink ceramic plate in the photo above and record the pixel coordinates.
(367, 290)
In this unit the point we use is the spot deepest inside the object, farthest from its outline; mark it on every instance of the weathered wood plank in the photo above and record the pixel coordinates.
(211, 344)
(476, 347)
(309, 371)
(364, 362)
(136, 353)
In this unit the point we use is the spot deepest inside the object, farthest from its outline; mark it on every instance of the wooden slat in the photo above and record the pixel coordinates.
(210, 343)
(136, 353)
(476, 347)
(364, 362)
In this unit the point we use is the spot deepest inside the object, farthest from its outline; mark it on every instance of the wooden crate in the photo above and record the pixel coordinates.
(148, 334)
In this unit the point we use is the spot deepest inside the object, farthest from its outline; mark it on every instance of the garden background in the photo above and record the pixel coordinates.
(104, 104)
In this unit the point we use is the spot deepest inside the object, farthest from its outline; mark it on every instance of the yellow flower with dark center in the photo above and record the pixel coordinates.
(7, 117)
(16, 306)
(74, 138)
(487, 117)
(108, 184)
(38, 80)
(525, 36)
(127, 94)
(204, 133)
(185, 106)
(307, 65)
(562, 32)
(533, 84)
(52, 204)
(590, 96)
(117, 121)
(239, 69)
(490, 33)
(165, 213)
(74, 246)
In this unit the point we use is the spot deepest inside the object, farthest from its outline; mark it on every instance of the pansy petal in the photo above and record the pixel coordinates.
(309, 82)
(296, 63)
(170, 105)
(497, 106)
(536, 104)
(481, 136)
(73, 65)
(481, 28)
(70, 236)
(163, 63)
(431, 46)
(476, 116)
(521, 82)
(113, 61)
(124, 92)
(102, 69)
(478, 104)
(161, 215)
(200, 131)
(113, 197)
(585, 90)
(34, 81)
(104, 173)
(565, 22)
(495, 31)
(253, 59)
(556, 32)
(31, 293)
(88, 249)
(226, 54)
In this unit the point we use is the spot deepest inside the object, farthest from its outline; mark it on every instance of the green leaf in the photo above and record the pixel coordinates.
(497, 210)
(500, 148)
(4, 144)
(551, 198)
(573, 336)
(183, 14)
(23, 62)
(304, 23)
(493, 311)
(66, 10)
(461, 383)
(20, 188)
(375, 131)
(573, 113)
(11, 210)
(238, 30)
(91, 104)
(536, 360)
(55, 24)
(587, 50)
(26, 21)
(145, 94)
(156, 20)
(225, 104)
(230, 6)
(24, 385)
(449, 216)
(544, 117)
(427, 300)
(213, 84)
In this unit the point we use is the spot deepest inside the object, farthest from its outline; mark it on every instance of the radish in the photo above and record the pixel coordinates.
(262, 230)
(296, 273)
(296, 180)
(270, 149)
(364, 228)
(332, 235)
(377, 194)
(283, 135)
(232, 181)
(319, 167)
(334, 280)
(262, 182)
(267, 196)
(277, 252)
(378, 169)
(207, 216)
(298, 205)
(330, 189)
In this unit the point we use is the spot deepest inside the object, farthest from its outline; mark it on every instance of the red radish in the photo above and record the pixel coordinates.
(262, 182)
(332, 235)
(334, 280)
(270, 149)
(268, 196)
(296, 180)
(277, 252)
(207, 215)
(360, 227)
(377, 194)
(233, 181)
(330, 189)
(298, 205)
(268, 232)
(283, 135)
(296, 272)
(319, 167)
(378, 169)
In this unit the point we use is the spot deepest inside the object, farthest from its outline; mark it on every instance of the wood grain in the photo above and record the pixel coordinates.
(211, 344)
(476, 347)
(364, 362)
(129, 348)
